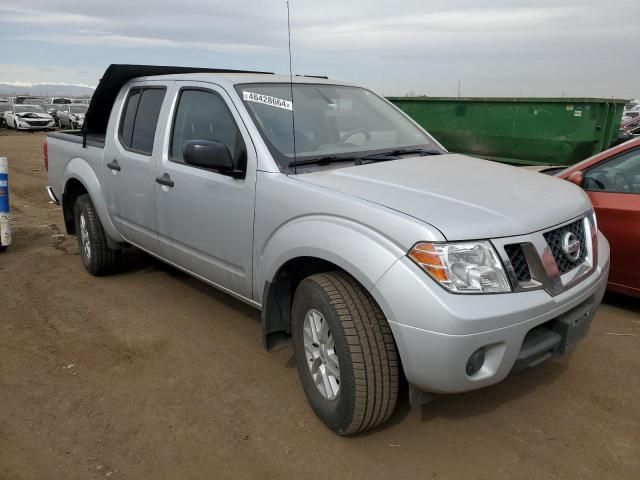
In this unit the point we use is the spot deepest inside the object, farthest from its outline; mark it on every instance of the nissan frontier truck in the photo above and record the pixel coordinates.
(365, 244)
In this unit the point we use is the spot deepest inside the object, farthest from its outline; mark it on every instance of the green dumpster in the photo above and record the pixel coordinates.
(530, 131)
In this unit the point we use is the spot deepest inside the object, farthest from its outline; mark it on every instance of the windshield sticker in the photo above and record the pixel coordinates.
(267, 100)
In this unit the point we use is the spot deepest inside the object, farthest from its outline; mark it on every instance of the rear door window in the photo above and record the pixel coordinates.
(140, 118)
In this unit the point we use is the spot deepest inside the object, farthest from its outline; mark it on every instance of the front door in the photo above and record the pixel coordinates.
(614, 189)
(129, 165)
(205, 217)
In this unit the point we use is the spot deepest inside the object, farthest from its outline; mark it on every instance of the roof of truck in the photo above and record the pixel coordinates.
(117, 75)
(236, 78)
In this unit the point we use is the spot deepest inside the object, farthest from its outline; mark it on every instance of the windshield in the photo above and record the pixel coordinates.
(28, 108)
(79, 108)
(329, 120)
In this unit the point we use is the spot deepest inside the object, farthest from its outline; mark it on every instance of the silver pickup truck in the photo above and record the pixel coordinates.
(377, 253)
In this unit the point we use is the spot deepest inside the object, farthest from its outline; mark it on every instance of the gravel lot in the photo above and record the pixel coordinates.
(151, 374)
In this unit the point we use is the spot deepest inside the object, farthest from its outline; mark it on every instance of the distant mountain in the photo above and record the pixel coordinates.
(47, 90)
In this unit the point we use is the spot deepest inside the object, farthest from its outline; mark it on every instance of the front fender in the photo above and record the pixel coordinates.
(361, 251)
(79, 169)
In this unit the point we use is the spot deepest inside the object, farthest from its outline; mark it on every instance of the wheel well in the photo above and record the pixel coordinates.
(72, 190)
(277, 299)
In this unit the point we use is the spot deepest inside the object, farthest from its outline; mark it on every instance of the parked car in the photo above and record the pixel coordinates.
(629, 129)
(28, 117)
(628, 116)
(59, 100)
(27, 99)
(612, 181)
(359, 236)
(630, 113)
(72, 116)
(52, 109)
(3, 108)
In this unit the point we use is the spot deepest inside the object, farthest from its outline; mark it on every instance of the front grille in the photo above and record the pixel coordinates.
(554, 240)
(518, 262)
(38, 123)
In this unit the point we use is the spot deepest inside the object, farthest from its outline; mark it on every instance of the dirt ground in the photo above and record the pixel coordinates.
(150, 374)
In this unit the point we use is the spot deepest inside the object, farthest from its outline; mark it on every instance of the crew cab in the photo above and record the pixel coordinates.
(365, 244)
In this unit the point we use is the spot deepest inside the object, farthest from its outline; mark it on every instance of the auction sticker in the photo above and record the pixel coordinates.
(267, 100)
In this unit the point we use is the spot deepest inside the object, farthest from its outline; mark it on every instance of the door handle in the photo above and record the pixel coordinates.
(113, 165)
(165, 180)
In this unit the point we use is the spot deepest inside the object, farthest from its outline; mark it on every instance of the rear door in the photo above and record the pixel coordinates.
(133, 148)
(205, 218)
(614, 189)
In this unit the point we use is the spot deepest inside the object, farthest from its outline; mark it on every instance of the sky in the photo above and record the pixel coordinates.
(431, 47)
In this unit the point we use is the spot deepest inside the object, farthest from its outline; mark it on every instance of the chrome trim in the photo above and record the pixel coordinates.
(52, 195)
(542, 264)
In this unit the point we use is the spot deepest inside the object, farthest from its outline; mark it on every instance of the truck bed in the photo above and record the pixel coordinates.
(64, 148)
(75, 136)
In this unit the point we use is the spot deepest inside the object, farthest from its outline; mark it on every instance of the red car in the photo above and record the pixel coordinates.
(612, 181)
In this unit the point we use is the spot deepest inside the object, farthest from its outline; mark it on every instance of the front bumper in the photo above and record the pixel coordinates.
(436, 331)
(25, 126)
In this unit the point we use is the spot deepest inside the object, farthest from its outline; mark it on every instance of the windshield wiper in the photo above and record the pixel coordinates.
(391, 154)
(325, 160)
(360, 159)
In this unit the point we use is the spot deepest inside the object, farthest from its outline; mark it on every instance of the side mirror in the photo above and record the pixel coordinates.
(577, 178)
(208, 154)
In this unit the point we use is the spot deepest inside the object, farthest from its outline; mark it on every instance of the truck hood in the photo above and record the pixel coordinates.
(463, 197)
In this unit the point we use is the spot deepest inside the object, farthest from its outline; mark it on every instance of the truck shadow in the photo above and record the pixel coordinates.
(621, 301)
(453, 406)
(137, 261)
(484, 400)
(478, 402)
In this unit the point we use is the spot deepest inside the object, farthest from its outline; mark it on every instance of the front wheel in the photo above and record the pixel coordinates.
(98, 258)
(345, 353)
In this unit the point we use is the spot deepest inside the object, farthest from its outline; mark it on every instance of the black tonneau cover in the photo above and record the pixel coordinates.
(114, 78)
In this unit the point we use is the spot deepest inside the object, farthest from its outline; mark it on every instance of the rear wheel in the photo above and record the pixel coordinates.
(345, 353)
(98, 258)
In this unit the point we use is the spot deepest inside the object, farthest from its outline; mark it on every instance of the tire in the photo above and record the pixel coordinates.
(360, 338)
(98, 258)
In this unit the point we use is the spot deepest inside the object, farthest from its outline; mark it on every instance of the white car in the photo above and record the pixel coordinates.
(72, 116)
(28, 117)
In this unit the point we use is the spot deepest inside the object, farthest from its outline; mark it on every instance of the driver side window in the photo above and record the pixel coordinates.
(204, 115)
(619, 175)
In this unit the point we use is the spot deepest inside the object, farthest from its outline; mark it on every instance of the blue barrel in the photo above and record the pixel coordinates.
(5, 226)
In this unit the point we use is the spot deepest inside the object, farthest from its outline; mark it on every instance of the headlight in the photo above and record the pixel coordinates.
(465, 267)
